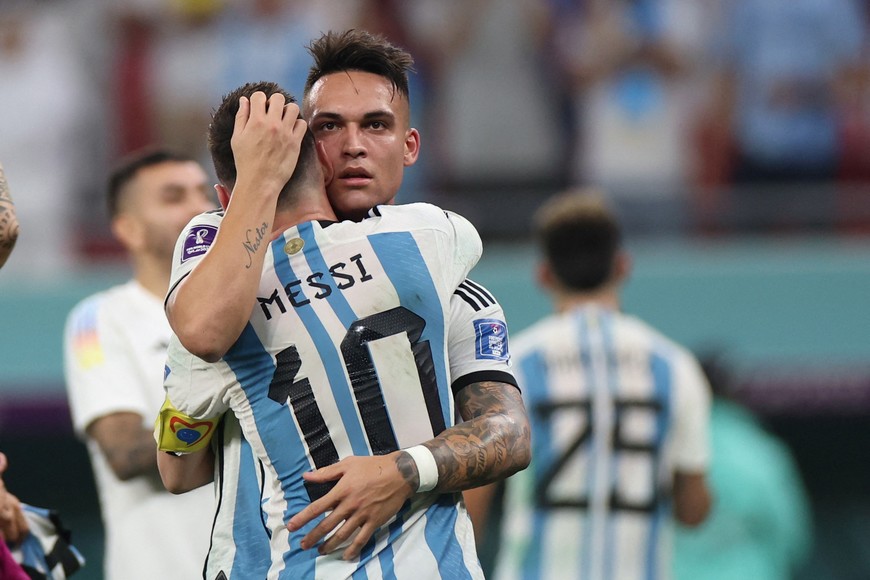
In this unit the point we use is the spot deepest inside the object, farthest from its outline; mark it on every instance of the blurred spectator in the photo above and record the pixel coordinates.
(209, 47)
(760, 525)
(45, 119)
(779, 92)
(632, 71)
(495, 116)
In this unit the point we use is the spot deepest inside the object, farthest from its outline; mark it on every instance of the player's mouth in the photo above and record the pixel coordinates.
(355, 177)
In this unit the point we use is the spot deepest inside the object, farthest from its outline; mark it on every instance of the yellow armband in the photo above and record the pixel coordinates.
(175, 432)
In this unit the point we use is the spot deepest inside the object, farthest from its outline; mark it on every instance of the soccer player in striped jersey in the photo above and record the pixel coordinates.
(619, 418)
(349, 115)
(343, 361)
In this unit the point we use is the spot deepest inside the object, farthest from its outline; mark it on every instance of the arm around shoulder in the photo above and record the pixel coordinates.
(493, 442)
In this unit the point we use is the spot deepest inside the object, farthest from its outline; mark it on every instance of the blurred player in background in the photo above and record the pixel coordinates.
(8, 220)
(115, 350)
(619, 419)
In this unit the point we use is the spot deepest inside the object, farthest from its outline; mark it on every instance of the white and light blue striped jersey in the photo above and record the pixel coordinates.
(345, 354)
(239, 546)
(478, 351)
(615, 408)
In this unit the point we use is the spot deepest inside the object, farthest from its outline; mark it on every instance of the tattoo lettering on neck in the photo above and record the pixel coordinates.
(408, 469)
(251, 246)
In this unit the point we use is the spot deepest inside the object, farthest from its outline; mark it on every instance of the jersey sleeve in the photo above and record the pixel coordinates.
(692, 417)
(477, 339)
(193, 243)
(100, 365)
(469, 246)
(178, 433)
(194, 387)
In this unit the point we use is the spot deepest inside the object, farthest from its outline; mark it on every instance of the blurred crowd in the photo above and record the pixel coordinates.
(743, 114)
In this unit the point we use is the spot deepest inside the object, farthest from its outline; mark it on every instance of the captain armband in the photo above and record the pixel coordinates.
(178, 434)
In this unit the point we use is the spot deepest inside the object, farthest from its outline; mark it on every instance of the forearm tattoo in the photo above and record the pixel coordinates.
(8, 219)
(408, 469)
(253, 241)
(133, 455)
(494, 442)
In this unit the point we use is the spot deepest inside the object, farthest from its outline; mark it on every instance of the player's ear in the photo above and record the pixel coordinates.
(223, 195)
(325, 163)
(621, 266)
(128, 231)
(545, 277)
(412, 146)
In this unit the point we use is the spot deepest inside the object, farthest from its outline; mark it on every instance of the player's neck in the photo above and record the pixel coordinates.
(605, 298)
(152, 274)
(316, 208)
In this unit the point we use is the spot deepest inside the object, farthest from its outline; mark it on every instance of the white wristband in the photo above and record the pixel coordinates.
(427, 469)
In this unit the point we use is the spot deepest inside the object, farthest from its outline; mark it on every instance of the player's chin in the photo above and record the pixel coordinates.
(355, 203)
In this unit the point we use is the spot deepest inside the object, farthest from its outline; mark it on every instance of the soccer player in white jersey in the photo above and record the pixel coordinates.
(619, 419)
(115, 349)
(363, 365)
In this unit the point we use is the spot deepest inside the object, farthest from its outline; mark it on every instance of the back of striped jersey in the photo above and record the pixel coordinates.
(604, 393)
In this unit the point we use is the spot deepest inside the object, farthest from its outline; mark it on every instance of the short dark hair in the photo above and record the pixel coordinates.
(579, 236)
(359, 50)
(220, 133)
(127, 168)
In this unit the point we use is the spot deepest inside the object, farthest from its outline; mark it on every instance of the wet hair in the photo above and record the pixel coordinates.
(579, 236)
(129, 166)
(220, 133)
(358, 50)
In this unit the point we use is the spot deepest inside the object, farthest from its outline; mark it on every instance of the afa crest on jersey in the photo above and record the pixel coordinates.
(492, 339)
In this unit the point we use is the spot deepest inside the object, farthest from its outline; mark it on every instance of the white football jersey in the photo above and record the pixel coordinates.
(114, 351)
(615, 409)
(346, 354)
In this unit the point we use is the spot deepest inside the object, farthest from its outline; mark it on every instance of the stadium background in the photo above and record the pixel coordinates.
(774, 278)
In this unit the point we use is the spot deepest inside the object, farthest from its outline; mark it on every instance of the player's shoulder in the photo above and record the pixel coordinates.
(417, 213)
(405, 211)
(114, 298)
(198, 235)
(659, 342)
(535, 336)
(210, 218)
